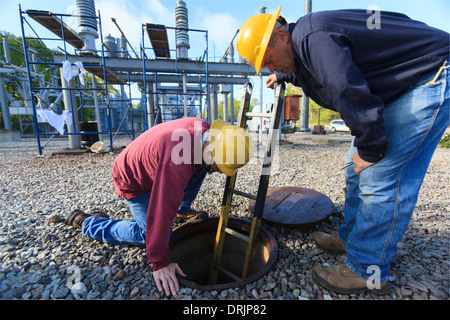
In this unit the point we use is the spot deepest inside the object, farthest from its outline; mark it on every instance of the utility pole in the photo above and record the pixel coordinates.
(304, 109)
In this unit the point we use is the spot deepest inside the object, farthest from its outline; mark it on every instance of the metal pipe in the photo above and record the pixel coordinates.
(4, 105)
(150, 109)
(69, 104)
(308, 6)
(97, 108)
(304, 109)
(123, 35)
(225, 107)
(6, 50)
(214, 111)
(25, 50)
(108, 103)
(184, 96)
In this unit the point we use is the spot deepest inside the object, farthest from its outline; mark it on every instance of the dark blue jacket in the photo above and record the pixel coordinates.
(344, 65)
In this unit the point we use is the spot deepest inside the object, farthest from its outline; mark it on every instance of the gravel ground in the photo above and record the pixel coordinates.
(42, 258)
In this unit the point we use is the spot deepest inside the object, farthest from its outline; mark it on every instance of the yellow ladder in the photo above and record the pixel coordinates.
(229, 190)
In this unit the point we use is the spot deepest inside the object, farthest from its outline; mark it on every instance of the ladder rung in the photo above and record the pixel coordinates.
(236, 234)
(258, 114)
(228, 273)
(244, 194)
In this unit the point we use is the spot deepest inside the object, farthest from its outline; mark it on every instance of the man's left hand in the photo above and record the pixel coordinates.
(166, 279)
(360, 164)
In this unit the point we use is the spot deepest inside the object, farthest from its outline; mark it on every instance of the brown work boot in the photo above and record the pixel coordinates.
(192, 216)
(328, 242)
(77, 217)
(341, 279)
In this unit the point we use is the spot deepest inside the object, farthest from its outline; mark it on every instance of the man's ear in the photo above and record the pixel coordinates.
(282, 35)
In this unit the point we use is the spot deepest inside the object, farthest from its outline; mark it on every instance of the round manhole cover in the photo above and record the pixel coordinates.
(293, 206)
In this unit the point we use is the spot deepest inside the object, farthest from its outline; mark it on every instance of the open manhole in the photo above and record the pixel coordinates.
(192, 247)
(295, 207)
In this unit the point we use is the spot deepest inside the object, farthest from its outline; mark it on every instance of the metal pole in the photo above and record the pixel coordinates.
(25, 52)
(184, 95)
(225, 107)
(308, 6)
(304, 109)
(6, 50)
(214, 112)
(97, 108)
(4, 104)
(150, 110)
(207, 96)
(108, 103)
(70, 104)
(231, 60)
(261, 110)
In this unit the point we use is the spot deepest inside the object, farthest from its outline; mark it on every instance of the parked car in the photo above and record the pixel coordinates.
(338, 125)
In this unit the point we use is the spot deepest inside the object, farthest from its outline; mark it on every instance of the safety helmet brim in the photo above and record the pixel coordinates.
(266, 38)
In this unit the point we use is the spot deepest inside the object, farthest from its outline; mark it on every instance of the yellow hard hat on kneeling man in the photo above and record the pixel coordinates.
(231, 146)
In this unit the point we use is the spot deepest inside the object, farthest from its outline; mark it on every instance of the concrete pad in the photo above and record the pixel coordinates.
(68, 151)
(325, 139)
(9, 136)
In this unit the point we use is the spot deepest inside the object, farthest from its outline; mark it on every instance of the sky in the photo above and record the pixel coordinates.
(221, 18)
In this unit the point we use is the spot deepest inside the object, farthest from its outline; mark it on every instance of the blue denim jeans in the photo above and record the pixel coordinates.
(133, 232)
(380, 201)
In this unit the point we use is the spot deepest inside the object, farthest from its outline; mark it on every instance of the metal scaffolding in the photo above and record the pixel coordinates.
(156, 96)
(171, 85)
(54, 22)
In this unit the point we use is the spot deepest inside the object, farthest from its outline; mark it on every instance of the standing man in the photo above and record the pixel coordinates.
(387, 76)
(159, 174)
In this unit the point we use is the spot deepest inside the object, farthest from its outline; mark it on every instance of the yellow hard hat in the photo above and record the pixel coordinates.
(231, 146)
(254, 37)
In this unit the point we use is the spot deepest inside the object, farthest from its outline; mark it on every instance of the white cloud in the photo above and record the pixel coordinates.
(221, 29)
(129, 15)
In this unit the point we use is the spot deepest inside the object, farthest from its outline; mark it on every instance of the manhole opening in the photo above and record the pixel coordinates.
(192, 247)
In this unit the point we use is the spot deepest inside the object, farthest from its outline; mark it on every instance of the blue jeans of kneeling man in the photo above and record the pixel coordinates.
(133, 232)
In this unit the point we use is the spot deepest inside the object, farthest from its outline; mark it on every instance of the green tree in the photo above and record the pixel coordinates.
(43, 54)
(236, 105)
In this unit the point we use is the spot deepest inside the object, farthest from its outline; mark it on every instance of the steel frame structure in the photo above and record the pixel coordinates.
(71, 89)
(142, 70)
(176, 73)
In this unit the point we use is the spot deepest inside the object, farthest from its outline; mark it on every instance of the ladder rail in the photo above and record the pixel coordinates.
(268, 154)
(228, 193)
(260, 198)
(264, 180)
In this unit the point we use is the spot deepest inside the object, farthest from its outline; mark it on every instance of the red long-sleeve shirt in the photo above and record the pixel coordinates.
(160, 160)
